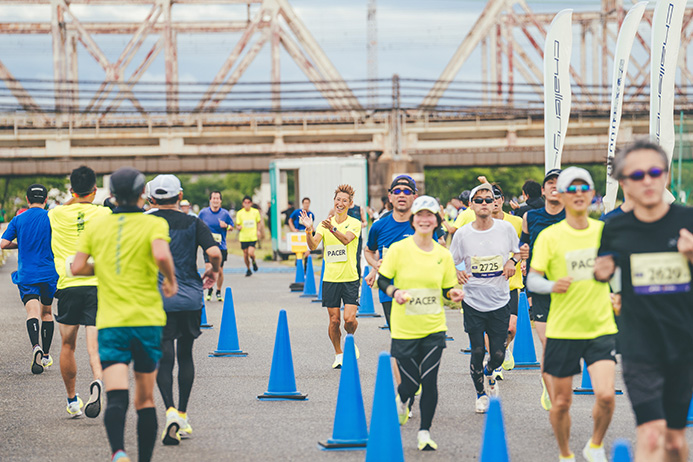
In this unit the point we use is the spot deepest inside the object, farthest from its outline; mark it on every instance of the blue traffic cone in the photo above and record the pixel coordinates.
(384, 439)
(322, 273)
(309, 284)
(689, 422)
(621, 451)
(349, 431)
(203, 320)
(585, 387)
(468, 350)
(366, 307)
(523, 351)
(494, 447)
(228, 332)
(282, 382)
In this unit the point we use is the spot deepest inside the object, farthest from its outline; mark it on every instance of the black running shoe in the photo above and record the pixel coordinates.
(248, 273)
(254, 266)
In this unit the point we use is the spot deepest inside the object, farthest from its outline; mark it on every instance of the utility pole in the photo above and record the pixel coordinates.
(372, 55)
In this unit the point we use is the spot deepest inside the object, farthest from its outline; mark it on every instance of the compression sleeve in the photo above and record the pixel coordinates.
(446, 293)
(524, 238)
(538, 284)
(384, 283)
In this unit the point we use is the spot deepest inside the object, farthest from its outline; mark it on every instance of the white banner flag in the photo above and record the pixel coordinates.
(557, 95)
(624, 44)
(666, 38)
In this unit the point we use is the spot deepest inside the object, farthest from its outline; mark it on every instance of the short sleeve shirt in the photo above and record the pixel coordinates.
(211, 219)
(32, 229)
(424, 275)
(248, 219)
(465, 217)
(340, 259)
(515, 282)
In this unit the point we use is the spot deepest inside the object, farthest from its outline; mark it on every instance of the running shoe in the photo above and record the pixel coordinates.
(208, 297)
(410, 406)
(36, 360)
(358, 353)
(425, 441)
(219, 297)
(509, 361)
(74, 408)
(93, 407)
(402, 410)
(170, 435)
(185, 431)
(482, 404)
(593, 454)
(567, 459)
(337, 364)
(248, 273)
(545, 398)
(498, 374)
(254, 266)
(120, 456)
(47, 361)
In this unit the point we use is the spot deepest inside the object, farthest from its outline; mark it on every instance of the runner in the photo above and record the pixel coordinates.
(581, 322)
(416, 271)
(295, 218)
(485, 246)
(250, 229)
(35, 276)
(653, 247)
(77, 297)
(185, 208)
(340, 280)
(219, 221)
(183, 310)
(533, 222)
(531, 194)
(129, 249)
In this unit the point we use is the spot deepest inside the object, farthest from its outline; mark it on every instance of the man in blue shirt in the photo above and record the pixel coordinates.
(35, 277)
(295, 218)
(219, 221)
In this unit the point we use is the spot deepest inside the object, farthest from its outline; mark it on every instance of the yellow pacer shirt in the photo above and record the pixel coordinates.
(584, 311)
(515, 281)
(467, 216)
(424, 275)
(248, 220)
(340, 259)
(121, 245)
(68, 222)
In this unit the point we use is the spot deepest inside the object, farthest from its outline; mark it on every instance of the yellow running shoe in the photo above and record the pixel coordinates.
(509, 361)
(185, 428)
(545, 399)
(337, 364)
(170, 435)
(402, 410)
(358, 353)
(47, 361)
(418, 392)
(425, 441)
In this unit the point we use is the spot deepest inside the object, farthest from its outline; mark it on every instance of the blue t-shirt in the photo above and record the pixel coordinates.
(211, 219)
(614, 213)
(32, 229)
(296, 216)
(537, 221)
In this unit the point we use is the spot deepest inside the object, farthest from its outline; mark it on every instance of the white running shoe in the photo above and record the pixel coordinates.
(170, 435)
(185, 431)
(337, 364)
(37, 360)
(425, 442)
(47, 361)
(594, 454)
(402, 410)
(482, 404)
(95, 402)
(74, 408)
(498, 374)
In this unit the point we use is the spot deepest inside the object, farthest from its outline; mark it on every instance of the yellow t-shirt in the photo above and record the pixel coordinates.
(424, 275)
(248, 220)
(340, 260)
(515, 281)
(467, 216)
(121, 245)
(67, 224)
(584, 311)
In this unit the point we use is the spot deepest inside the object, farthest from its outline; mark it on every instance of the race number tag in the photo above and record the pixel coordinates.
(335, 253)
(248, 224)
(487, 267)
(217, 237)
(659, 273)
(580, 264)
(423, 301)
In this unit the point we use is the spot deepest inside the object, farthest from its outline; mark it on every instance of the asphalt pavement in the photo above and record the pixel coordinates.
(229, 423)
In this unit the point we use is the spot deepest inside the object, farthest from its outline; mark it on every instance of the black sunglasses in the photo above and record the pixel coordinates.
(481, 200)
(407, 192)
(638, 175)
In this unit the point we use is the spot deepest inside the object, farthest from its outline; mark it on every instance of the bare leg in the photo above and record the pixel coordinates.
(246, 258)
(561, 392)
(676, 445)
(350, 322)
(68, 365)
(650, 444)
(93, 351)
(46, 313)
(33, 309)
(602, 374)
(512, 329)
(334, 329)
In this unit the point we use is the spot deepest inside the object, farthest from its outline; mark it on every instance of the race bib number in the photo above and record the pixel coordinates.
(659, 273)
(247, 224)
(217, 237)
(487, 267)
(423, 301)
(335, 253)
(580, 264)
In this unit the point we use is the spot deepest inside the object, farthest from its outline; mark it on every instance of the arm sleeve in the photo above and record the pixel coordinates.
(538, 284)
(384, 283)
(204, 235)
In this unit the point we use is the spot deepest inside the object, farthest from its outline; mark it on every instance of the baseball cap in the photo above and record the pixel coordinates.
(497, 191)
(554, 172)
(425, 203)
(164, 187)
(571, 174)
(127, 182)
(464, 195)
(36, 193)
(481, 187)
(184, 202)
(403, 180)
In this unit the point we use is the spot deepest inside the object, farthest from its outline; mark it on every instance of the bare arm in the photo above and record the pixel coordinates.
(81, 265)
(209, 277)
(5, 244)
(164, 261)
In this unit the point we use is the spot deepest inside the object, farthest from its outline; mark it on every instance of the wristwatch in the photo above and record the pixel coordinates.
(334, 229)
(513, 259)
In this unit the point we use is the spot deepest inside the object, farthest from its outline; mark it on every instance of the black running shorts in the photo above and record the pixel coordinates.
(336, 293)
(182, 324)
(77, 306)
(405, 348)
(224, 255)
(540, 307)
(562, 356)
(245, 245)
(514, 301)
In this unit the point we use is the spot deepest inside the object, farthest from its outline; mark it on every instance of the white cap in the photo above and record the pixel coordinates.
(481, 187)
(425, 203)
(571, 174)
(164, 187)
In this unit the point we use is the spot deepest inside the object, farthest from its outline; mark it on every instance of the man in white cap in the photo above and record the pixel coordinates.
(581, 324)
(489, 249)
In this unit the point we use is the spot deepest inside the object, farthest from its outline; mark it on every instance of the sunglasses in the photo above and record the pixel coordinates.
(574, 189)
(481, 200)
(406, 192)
(638, 175)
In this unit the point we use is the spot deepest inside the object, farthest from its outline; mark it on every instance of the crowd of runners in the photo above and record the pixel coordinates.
(596, 289)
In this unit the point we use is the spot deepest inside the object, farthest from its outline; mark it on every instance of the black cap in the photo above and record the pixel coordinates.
(127, 182)
(36, 193)
(497, 191)
(553, 173)
(464, 196)
(403, 180)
